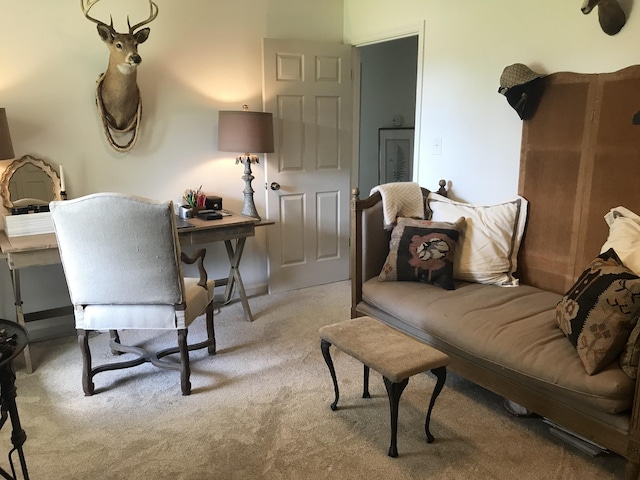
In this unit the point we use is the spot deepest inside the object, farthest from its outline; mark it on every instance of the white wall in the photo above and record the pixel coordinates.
(202, 56)
(467, 44)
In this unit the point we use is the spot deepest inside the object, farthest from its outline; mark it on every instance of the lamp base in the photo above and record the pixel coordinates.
(248, 208)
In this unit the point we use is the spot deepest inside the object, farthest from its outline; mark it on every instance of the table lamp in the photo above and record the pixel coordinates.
(251, 133)
(6, 148)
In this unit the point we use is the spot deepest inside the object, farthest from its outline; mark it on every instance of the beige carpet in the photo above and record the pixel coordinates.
(260, 410)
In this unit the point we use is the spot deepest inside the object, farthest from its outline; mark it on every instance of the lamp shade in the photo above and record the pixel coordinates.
(6, 148)
(245, 132)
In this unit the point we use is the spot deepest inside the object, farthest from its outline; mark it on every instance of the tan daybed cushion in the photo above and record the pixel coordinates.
(511, 327)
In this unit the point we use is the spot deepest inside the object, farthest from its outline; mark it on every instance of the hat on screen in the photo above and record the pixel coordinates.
(522, 88)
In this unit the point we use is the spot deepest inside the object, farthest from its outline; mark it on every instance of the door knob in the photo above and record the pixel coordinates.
(275, 186)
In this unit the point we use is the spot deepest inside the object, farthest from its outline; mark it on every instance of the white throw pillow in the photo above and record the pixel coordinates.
(624, 237)
(488, 246)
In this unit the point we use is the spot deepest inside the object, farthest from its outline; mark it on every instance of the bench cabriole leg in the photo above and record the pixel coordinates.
(365, 391)
(441, 375)
(324, 346)
(394, 391)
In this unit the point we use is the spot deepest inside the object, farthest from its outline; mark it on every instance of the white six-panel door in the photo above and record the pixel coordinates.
(308, 88)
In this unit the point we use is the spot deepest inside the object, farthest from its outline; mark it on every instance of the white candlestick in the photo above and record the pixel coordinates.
(62, 186)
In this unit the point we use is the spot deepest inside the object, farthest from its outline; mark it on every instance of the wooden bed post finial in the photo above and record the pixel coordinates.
(443, 188)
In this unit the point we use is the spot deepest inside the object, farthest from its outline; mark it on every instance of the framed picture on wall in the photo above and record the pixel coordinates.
(395, 153)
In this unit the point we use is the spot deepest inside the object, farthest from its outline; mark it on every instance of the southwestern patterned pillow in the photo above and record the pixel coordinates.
(630, 356)
(422, 251)
(598, 313)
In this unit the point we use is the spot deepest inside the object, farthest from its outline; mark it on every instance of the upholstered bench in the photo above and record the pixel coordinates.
(389, 352)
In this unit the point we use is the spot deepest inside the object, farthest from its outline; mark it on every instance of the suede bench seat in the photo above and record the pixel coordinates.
(512, 328)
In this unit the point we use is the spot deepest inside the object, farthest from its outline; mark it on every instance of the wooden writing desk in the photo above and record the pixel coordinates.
(37, 250)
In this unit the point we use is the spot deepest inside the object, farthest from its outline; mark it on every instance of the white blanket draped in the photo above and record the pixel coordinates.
(400, 199)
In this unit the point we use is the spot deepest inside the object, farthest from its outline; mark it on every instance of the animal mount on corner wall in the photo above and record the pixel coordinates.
(117, 93)
(610, 15)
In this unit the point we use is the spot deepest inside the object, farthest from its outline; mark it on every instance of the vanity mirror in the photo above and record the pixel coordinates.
(29, 181)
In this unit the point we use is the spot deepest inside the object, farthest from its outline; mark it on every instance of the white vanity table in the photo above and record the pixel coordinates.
(29, 183)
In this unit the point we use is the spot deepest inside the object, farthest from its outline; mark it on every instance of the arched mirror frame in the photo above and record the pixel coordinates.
(15, 165)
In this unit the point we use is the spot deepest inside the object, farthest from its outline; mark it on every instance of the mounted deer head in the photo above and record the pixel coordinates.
(610, 14)
(117, 93)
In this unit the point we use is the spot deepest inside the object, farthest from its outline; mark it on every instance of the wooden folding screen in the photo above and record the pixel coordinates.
(580, 157)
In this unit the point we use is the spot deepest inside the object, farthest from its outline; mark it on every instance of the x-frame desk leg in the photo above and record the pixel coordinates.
(235, 278)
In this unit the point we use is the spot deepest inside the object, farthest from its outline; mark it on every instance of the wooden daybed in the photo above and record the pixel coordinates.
(580, 158)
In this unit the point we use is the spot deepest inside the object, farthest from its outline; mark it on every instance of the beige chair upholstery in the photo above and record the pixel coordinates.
(123, 265)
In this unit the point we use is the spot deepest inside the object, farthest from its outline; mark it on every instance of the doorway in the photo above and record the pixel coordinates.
(388, 81)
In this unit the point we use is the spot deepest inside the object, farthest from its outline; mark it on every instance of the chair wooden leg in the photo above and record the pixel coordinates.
(185, 369)
(115, 337)
(87, 383)
(211, 334)
(155, 358)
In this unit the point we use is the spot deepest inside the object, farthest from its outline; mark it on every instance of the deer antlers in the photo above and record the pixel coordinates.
(87, 5)
(85, 10)
(153, 13)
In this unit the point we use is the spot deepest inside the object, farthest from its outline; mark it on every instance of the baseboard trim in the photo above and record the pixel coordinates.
(254, 290)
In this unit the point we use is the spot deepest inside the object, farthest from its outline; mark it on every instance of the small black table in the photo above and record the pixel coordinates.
(8, 406)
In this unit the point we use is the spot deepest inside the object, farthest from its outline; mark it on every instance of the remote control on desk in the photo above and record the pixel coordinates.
(209, 215)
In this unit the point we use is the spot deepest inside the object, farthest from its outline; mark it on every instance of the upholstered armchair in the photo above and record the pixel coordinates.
(123, 264)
